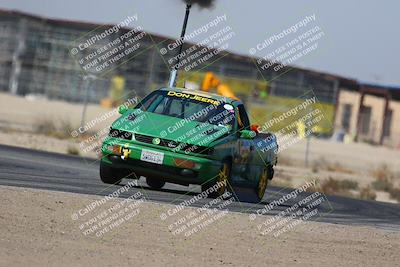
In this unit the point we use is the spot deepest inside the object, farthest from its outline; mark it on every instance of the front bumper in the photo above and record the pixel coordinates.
(205, 169)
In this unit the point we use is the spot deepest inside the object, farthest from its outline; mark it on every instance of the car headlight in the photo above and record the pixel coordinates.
(115, 149)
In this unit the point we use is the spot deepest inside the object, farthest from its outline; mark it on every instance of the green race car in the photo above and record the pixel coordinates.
(187, 137)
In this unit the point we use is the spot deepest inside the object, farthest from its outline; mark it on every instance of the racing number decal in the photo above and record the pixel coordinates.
(243, 157)
(242, 152)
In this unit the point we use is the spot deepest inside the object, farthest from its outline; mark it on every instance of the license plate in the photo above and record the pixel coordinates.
(152, 156)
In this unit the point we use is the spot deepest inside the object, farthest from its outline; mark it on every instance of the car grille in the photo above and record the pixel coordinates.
(144, 138)
(173, 144)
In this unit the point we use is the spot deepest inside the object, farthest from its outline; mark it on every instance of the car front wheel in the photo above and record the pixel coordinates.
(222, 180)
(110, 175)
(155, 183)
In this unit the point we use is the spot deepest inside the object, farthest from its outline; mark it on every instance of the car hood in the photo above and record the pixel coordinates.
(169, 128)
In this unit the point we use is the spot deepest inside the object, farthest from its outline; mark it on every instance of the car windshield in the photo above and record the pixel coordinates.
(189, 107)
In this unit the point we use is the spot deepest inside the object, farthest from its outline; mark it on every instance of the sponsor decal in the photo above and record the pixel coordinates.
(156, 141)
(193, 97)
(228, 107)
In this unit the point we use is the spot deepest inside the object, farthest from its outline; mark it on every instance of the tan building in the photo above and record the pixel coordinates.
(370, 113)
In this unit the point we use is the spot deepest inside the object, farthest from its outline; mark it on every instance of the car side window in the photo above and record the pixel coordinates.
(244, 123)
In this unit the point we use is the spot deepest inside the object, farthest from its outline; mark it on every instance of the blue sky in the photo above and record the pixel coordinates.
(361, 41)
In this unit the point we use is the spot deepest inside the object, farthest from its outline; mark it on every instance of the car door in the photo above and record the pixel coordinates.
(246, 167)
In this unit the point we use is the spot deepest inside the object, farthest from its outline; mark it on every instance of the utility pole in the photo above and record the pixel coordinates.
(88, 79)
(308, 132)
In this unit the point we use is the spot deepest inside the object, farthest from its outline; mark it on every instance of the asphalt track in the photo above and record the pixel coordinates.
(57, 172)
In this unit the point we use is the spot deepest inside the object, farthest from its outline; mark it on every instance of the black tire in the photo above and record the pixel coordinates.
(270, 172)
(110, 175)
(155, 183)
(226, 173)
(265, 177)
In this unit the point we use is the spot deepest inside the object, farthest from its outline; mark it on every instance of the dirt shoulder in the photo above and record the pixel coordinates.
(36, 228)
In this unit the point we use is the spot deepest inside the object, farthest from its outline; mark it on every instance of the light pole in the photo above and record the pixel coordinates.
(174, 71)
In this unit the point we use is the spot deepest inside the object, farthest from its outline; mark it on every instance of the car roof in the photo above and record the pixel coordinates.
(213, 96)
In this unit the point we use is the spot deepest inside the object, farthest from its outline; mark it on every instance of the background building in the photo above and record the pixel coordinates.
(35, 59)
(370, 113)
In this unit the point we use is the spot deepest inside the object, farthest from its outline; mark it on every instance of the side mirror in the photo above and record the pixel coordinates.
(254, 127)
(122, 109)
(247, 134)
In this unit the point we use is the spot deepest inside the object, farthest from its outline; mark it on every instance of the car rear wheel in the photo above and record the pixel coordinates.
(265, 176)
(155, 183)
(221, 181)
(110, 175)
